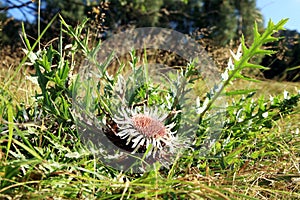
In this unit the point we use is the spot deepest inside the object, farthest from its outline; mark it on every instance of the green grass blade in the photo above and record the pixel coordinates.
(29, 150)
(292, 68)
(10, 127)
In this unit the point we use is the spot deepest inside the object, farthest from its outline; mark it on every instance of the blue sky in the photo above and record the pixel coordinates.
(278, 9)
(274, 9)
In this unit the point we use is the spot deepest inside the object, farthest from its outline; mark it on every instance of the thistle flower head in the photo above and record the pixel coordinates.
(145, 128)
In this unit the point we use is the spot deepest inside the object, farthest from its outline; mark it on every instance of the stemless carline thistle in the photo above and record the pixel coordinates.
(144, 128)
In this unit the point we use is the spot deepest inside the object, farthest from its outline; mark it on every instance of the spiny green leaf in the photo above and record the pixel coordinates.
(272, 39)
(255, 66)
(255, 30)
(240, 76)
(264, 52)
(239, 92)
(244, 47)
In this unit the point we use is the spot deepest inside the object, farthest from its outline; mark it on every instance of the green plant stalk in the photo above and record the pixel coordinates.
(248, 54)
(30, 50)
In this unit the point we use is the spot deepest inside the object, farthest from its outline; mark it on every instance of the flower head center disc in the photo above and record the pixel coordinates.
(148, 126)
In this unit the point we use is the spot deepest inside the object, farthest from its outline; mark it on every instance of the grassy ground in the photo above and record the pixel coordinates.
(51, 173)
(42, 157)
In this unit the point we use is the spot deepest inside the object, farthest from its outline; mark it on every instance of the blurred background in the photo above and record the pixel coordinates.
(216, 24)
